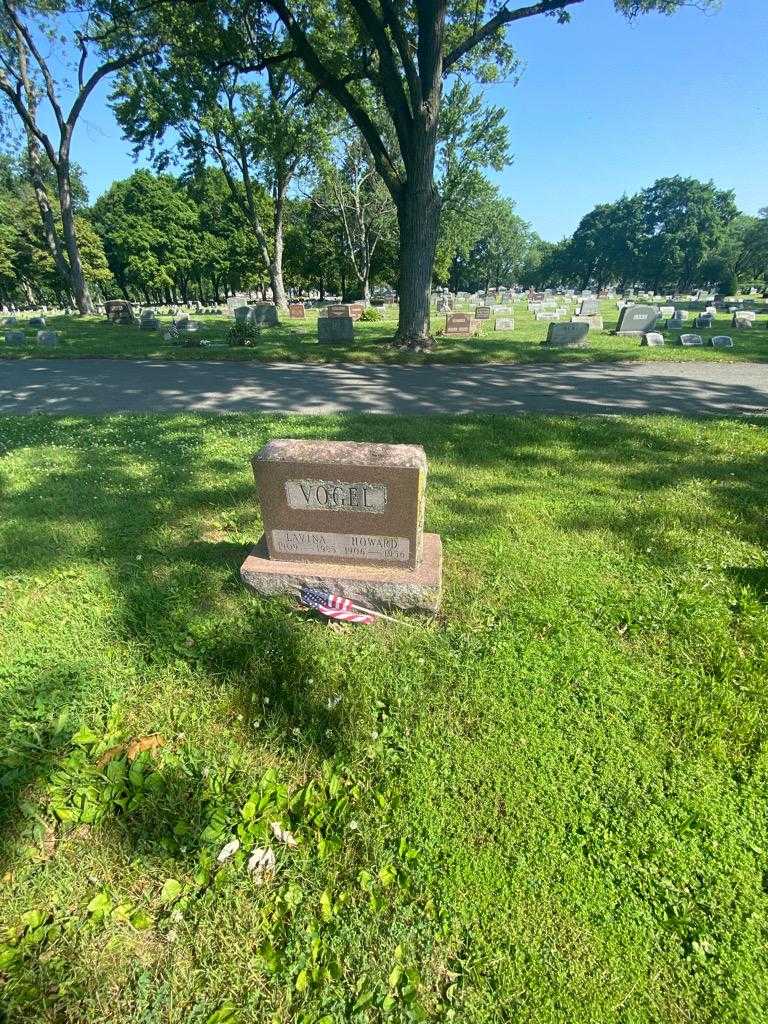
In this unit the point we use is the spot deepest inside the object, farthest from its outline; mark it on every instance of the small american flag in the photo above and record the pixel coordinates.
(334, 606)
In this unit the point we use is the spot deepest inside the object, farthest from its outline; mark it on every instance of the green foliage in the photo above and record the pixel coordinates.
(663, 238)
(244, 334)
(371, 314)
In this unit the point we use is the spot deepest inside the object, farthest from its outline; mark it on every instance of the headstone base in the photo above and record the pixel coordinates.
(416, 590)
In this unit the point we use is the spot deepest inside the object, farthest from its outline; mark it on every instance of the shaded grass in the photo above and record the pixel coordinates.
(296, 341)
(575, 750)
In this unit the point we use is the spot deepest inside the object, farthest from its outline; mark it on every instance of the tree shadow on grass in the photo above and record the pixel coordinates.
(164, 518)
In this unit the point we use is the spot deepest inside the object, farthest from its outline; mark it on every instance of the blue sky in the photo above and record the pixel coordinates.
(604, 106)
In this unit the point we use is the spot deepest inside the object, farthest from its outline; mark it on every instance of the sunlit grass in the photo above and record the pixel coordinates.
(550, 803)
(296, 341)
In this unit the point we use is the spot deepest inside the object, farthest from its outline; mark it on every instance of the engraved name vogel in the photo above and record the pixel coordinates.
(336, 496)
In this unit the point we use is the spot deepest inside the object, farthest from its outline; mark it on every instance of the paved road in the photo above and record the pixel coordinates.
(103, 385)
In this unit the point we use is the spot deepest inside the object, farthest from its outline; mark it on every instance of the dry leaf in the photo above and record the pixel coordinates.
(110, 755)
(228, 851)
(283, 835)
(262, 864)
(150, 743)
(132, 749)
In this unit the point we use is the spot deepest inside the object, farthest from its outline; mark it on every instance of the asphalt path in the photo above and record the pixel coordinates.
(97, 386)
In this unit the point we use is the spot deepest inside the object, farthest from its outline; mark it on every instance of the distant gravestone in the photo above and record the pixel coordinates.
(667, 311)
(264, 314)
(567, 335)
(722, 341)
(296, 311)
(742, 320)
(148, 321)
(332, 330)
(676, 323)
(50, 339)
(36, 321)
(637, 319)
(653, 339)
(351, 310)
(691, 340)
(10, 321)
(482, 313)
(547, 315)
(119, 311)
(241, 314)
(595, 321)
(589, 307)
(460, 325)
(15, 338)
(504, 323)
(705, 320)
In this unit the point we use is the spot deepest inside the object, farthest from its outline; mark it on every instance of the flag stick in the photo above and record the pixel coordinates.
(370, 611)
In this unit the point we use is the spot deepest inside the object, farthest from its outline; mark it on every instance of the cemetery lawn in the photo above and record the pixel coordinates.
(547, 806)
(296, 341)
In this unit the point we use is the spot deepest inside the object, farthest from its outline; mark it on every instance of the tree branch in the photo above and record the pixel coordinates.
(390, 81)
(504, 17)
(101, 72)
(337, 88)
(404, 49)
(24, 32)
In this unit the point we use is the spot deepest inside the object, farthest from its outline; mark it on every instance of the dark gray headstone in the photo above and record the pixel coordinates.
(690, 340)
(567, 335)
(36, 321)
(589, 307)
(722, 341)
(15, 338)
(334, 329)
(264, 314)
(48, 338)
(635, 319)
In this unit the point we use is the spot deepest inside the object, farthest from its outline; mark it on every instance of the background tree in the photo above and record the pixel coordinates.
(350, 190)
(403, 53)
(684, 222)
(27, 79)
(263, 129)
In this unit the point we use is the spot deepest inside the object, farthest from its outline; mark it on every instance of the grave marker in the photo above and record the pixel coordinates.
(334, 329)
(636, 319)
(348, 517)
(722, 341)
(567, 335)
(297, 311)
(460, 325)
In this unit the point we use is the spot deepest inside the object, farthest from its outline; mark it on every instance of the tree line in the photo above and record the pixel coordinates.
(674, 236)
(159, 238)
(253, 87)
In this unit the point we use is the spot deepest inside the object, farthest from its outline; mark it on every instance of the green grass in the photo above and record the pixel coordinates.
(296, 341)
(547, 806)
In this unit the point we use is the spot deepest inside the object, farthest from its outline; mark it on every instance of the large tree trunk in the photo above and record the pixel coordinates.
(78, 284)
(276, 263)
(418, 217)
